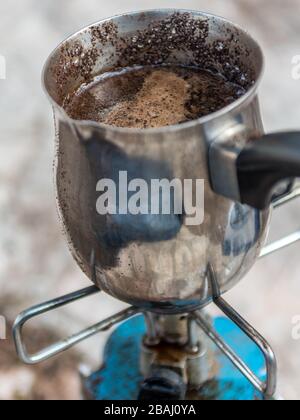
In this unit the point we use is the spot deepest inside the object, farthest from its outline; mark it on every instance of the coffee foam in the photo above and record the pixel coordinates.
(152, 97)
(160, 102)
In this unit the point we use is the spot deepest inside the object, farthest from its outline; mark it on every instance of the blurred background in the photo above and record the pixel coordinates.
(35, 264)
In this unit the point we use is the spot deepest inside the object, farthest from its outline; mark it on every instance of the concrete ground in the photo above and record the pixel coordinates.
(35, 264)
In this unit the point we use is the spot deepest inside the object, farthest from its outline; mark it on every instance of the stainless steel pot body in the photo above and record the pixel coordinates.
(156, 262)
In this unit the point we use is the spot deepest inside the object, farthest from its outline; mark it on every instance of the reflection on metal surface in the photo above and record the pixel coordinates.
(243, 231)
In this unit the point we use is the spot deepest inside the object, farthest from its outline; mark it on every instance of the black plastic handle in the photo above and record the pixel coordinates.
(265, 162)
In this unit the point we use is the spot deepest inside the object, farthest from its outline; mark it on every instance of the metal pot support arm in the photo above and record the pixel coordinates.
(267, 388)
(69, 342)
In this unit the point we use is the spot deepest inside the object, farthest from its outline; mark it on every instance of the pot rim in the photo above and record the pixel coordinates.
(234, 106)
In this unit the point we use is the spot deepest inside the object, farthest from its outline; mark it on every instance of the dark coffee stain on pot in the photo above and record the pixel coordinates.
(159, 43)
(77, 61)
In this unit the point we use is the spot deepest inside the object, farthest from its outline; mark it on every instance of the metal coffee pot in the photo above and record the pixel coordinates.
(158, 262)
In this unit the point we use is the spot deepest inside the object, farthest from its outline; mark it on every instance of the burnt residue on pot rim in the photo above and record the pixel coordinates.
(192, 30)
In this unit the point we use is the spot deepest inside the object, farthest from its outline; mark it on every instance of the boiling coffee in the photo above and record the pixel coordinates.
(148, 97)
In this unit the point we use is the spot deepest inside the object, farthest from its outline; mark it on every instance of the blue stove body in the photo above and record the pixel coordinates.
(120, 377)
